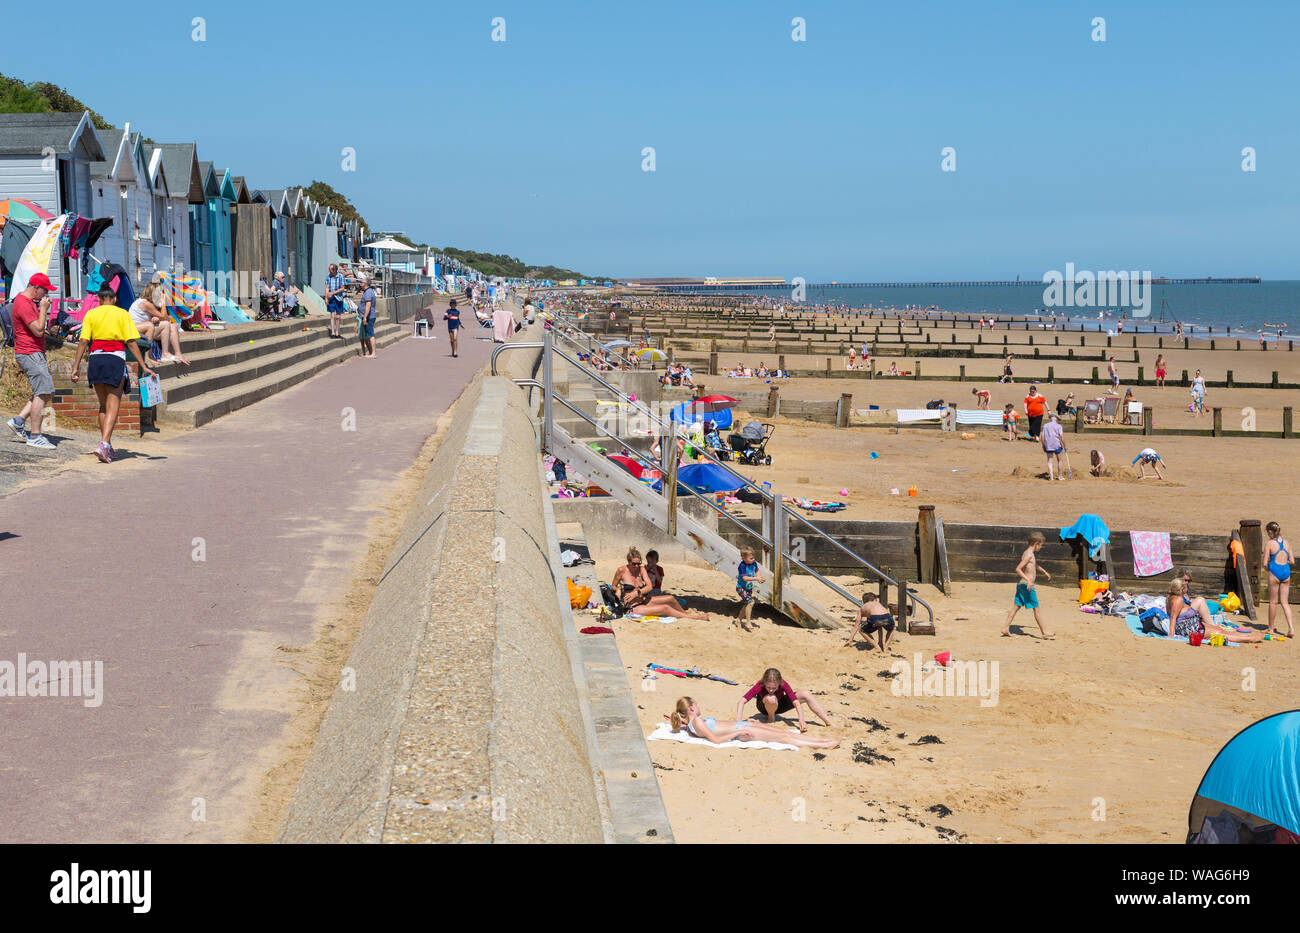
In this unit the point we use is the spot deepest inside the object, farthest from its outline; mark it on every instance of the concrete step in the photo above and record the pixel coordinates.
(251, 344)
(234, 365)
(197, 410)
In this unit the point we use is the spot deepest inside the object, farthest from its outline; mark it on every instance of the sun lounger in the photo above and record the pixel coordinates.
(1109, 408)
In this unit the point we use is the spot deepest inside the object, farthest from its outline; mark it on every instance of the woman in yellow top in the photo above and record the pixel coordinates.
(108, 332)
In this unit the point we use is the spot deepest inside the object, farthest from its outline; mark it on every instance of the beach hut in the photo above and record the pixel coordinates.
(1251, 791)
(180, 166)
(46, 158)
(250, 236)
(123, 187)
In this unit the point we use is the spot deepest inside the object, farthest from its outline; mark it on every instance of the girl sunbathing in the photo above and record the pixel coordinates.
(688, 715)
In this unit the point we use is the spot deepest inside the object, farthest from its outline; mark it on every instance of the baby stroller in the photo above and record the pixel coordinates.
(750, 445)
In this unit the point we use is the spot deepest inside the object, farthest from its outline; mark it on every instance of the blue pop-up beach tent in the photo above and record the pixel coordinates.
(683, 415)
(709, 477)
(1257, 774)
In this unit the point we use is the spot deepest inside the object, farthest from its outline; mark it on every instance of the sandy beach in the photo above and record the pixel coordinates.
(1096, 721)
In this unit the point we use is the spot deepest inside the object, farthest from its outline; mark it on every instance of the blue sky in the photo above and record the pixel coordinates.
(818, 159)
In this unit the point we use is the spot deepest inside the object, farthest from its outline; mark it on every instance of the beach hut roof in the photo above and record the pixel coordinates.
(30, 133)
(181, 166)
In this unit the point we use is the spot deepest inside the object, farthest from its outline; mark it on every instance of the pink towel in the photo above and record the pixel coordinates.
(1150, 553)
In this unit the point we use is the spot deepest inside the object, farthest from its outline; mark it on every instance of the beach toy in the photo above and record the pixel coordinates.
(968, 437)
(844, 492)
(893, 492)
(875, 456)
(632, 397)
(1194, 638)
(767, 486)
(911, 491)
(944, 658)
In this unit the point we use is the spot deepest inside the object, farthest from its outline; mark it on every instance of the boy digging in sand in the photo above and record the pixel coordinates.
(873, 618)
(1026, 597)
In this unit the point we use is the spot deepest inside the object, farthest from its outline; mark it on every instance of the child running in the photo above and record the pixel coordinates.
(747, 574)
(774, 696)
(1026, 596)
(875, 618)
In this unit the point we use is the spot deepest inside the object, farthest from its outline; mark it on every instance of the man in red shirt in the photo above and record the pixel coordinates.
(1035, 408)
(31, 312)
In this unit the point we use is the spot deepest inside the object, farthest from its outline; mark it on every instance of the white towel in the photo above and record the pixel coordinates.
(906, 415)
(979, 416)
(664, 732)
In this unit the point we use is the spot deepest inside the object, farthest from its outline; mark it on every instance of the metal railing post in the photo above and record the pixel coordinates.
(548, 380)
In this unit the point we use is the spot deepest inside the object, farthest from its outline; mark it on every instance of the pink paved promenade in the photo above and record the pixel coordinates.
(99, 566)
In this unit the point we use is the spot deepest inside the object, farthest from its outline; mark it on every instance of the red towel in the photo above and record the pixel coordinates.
(596, 630)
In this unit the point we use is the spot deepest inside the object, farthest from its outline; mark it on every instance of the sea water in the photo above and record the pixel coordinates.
(1204, 310)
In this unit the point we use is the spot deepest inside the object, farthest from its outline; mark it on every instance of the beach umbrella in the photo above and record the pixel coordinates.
(614, 344)
(684, 414)
(653, 355)
(627, 463)
(23, 210)
(709, 477)
(712, 403)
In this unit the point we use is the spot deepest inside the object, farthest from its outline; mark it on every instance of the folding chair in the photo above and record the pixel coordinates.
(1092, 410)
(1109, 408)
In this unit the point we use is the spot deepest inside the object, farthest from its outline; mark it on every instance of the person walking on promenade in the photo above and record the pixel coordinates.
(334, 284)
(108, 332)
(366, 316)
(31, 312)
(452, 317)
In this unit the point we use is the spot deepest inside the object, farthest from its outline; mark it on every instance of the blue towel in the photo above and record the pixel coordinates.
(1135, 626)
(1092, 529)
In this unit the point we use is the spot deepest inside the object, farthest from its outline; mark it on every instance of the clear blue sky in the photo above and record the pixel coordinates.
(818, 159)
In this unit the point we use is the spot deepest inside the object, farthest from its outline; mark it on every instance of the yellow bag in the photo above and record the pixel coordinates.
(578, 595)
(1088, 590)
(1230, 603)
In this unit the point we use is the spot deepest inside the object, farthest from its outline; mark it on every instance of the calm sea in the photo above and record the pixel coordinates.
(1211, 309)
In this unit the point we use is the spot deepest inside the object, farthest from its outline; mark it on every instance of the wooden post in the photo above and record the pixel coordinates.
(845, 409)
(1228, 381)
(1140, 373)
(925, 534)
(961, 375)
(943, 576)
(773, 402)
(917, 375)
(780, 362)
(1051, 374)
(1186, 382)
(1147, 417)
(828, 366)
(1078, 420)
(1094, 374)
(1274, 382)
(1286, 422)
(1252, 542)
(1218, 422)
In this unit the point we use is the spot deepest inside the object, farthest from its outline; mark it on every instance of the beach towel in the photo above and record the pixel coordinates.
(693, 672)
(634, 617)
(1151, 553)
(908, 415)
(664, 732)
(1092, 529)
(979, 416)
(1134, 624)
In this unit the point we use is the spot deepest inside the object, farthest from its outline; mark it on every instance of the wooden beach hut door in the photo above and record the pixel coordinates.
(201, 242)
(222, 266)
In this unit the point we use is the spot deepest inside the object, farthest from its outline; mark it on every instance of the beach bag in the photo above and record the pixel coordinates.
(578, 595)
(6, 325)
(1088, 590)
(612, 602)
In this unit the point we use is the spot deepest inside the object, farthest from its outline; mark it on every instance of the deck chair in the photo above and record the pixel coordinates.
(1092, 410)
(1109, 408)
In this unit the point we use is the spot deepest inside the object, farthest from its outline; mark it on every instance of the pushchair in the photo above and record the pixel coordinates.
(750, 445)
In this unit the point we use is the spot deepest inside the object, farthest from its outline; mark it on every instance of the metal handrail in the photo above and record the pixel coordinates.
(496, 351)
(640, 456)
(769, 496)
